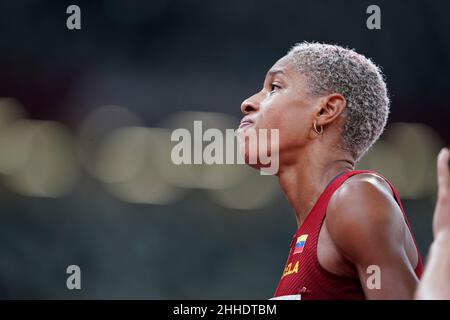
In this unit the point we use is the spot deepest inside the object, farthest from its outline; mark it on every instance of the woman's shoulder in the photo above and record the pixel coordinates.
(367, 179)
(363, 197)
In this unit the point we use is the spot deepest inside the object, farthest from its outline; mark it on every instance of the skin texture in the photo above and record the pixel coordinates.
(364, 225)
(435, 283)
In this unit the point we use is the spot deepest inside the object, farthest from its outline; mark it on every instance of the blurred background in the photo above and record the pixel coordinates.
(85, 123)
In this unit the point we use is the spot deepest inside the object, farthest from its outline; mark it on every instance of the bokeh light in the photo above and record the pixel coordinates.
(130, 161)
(96, 127)
(254, 191)
(407, 155)
(38, 158)
(204, 176)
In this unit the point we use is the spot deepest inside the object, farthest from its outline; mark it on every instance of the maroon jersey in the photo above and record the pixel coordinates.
(303, 277)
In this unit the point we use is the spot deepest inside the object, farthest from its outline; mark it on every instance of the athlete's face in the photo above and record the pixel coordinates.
(283, 104)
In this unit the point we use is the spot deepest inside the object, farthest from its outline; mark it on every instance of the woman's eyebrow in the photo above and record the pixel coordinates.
(274, 72)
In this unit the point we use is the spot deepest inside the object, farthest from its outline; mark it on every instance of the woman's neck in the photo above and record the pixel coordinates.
(304, 180)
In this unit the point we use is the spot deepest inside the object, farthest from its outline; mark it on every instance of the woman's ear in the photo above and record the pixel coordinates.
(333, 105)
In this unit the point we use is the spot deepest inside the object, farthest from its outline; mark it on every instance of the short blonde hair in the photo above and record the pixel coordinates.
(334, 69)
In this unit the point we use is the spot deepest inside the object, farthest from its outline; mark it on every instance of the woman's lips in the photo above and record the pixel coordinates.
(245, 123)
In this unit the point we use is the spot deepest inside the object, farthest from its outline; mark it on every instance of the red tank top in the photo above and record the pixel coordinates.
(303, 277)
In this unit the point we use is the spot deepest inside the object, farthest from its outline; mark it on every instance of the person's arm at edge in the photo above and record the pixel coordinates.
(435, 282)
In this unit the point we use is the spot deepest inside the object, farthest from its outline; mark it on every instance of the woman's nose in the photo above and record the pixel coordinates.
(249, 105)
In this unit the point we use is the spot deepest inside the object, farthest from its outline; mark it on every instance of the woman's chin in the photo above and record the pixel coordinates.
(256, 166)
(255, 163)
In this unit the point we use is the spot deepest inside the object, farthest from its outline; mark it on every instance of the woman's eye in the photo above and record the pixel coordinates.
(274, 87)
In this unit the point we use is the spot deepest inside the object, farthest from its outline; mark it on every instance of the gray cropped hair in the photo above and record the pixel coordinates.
(334, 69)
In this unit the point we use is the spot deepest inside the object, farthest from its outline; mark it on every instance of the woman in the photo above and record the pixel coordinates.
(353, 241)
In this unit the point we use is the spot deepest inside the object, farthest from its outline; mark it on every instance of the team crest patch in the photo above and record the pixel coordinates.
(300, 244)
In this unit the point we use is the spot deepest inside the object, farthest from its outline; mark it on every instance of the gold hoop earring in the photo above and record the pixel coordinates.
(315, 128)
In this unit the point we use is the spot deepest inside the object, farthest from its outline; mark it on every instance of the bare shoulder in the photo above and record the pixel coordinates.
(364, 210)
(368, 182)
(362, 193)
